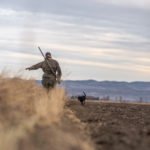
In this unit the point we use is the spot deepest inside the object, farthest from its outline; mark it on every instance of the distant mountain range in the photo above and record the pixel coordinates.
(114, 90)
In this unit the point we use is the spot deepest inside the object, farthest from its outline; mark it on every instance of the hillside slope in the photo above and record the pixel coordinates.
(129, 91)
(32, 119)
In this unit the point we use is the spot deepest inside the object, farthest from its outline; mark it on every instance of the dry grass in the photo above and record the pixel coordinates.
(31, 118)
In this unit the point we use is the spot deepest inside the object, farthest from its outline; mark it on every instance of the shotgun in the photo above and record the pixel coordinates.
(47, 62)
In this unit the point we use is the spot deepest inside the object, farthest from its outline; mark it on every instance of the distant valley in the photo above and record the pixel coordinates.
(129, 91)
(113, 90)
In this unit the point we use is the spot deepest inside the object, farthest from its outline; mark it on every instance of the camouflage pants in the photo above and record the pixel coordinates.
(48, 83)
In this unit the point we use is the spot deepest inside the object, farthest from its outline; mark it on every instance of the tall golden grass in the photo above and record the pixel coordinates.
(33, 119)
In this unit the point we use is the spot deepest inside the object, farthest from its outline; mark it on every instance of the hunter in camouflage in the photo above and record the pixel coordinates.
(52, 71)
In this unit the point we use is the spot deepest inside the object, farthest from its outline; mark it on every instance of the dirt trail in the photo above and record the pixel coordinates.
(116, 126)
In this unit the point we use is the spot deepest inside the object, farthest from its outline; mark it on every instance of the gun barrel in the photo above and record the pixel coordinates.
(41, 52)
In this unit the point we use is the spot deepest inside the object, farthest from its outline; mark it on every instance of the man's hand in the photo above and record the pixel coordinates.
(28, 68)
(58, 80)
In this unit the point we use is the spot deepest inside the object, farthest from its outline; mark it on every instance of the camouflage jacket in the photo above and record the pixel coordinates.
(50, 68)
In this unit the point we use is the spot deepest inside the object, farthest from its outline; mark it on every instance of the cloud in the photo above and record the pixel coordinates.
(31, 59)
(97, 34)
(71, 5)
(144, 4)
(63, 30)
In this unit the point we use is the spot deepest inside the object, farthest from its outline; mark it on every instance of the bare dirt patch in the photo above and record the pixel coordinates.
(116, 126)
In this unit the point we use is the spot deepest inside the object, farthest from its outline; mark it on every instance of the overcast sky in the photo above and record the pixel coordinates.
(91, 39)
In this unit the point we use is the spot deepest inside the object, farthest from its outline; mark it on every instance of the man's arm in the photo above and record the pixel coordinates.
(59, 73)
(36, 66)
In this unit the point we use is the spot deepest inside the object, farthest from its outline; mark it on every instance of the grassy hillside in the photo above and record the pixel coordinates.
(32, 119)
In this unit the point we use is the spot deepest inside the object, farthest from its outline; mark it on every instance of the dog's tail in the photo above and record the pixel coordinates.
(84, 93)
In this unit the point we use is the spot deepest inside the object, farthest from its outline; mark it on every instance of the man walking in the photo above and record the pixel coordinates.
(52, 71)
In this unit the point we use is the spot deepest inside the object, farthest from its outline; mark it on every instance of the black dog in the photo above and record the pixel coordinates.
(82, 98)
